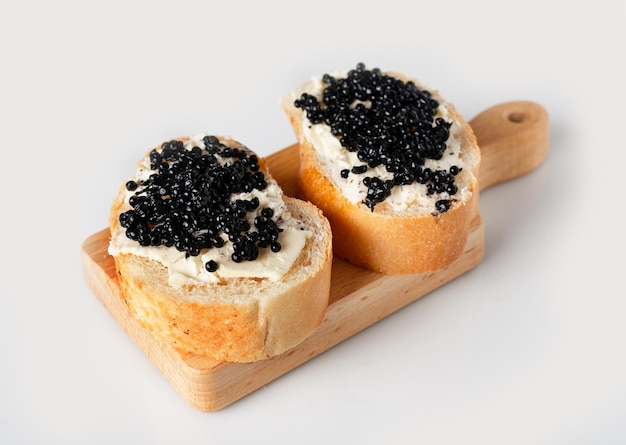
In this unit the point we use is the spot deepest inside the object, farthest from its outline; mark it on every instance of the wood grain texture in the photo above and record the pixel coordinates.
(359, 298)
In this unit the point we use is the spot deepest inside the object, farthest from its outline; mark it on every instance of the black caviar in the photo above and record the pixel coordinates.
(386, 122)
(186, 202)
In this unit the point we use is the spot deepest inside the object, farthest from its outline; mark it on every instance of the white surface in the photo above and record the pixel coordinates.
(528, 348)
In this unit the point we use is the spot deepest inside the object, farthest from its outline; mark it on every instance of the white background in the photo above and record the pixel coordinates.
(527, 348)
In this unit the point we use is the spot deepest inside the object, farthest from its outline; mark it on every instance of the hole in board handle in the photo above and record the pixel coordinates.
(516, 117)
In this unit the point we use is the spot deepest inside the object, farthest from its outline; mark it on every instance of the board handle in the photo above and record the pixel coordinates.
(513, 138)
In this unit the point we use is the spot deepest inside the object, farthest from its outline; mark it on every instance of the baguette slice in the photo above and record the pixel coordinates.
(412, 236)
(237, 319)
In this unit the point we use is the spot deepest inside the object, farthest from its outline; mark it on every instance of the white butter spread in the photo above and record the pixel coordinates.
(190, 270)
(334, 158)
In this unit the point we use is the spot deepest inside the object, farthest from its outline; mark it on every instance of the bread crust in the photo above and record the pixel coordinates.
(237, 319)
(383, 240)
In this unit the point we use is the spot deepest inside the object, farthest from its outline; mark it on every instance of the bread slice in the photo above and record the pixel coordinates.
(418, 227)
(228, 317)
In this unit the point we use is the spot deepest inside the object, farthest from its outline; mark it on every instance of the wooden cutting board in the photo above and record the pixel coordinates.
(513, 138)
